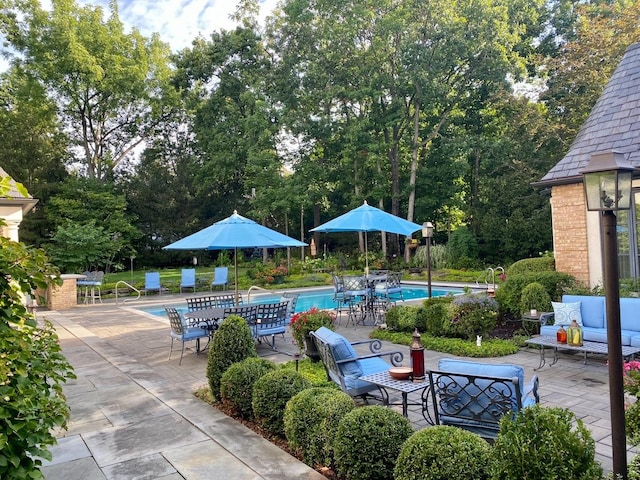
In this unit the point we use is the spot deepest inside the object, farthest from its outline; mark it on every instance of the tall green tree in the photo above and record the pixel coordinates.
(111, 87)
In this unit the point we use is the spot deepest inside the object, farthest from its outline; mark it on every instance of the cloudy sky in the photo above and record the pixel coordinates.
(178, 21)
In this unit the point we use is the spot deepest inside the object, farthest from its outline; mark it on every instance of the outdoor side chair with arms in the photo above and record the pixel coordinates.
(184, 333)
(356, 292)
(345, 367)
(292, 302)
(271, 321)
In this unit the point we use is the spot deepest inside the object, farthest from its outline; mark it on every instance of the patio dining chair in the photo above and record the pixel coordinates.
(180, 331)
(188, 279)
(220, 278)
(292, 300)
(271, 321)
(357, 293)
(391, 288)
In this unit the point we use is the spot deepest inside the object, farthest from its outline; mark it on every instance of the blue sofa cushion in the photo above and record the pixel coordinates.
(630, 314)
(342, 350)
(564, 313)
(592, 309)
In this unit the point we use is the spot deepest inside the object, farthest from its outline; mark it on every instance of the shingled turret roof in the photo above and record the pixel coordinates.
(613, 124)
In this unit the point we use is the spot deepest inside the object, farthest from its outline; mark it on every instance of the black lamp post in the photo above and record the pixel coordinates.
(427, 232)
(607, 183)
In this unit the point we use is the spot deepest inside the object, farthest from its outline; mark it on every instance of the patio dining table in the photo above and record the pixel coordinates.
(208, 316)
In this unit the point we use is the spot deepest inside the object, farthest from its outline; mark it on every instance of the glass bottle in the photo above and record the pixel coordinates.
(561, 335)
(574, 334)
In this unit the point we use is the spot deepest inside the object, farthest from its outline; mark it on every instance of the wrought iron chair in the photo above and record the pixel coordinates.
(391, 288)
(475, 396)
(292, 301)
(356, 292)
(181, 331)
(271, 321)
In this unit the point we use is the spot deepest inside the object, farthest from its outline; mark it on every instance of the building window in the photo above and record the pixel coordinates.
(628, 229)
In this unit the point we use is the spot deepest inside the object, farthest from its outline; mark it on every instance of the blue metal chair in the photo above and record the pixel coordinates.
(188, 279)
(391, 288)
(271, 321)
(220, 277)
(180, 331)
(152, 282)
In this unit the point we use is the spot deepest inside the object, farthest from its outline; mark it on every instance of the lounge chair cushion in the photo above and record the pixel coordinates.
(342, 350)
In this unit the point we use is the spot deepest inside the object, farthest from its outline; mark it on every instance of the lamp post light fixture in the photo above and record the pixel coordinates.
(607, 182)
(427, 232)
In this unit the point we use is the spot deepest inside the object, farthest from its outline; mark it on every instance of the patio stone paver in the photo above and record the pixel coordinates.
(134, 414)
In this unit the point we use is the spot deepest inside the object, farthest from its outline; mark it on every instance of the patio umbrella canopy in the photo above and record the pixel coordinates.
(365, 219)
(234, 232)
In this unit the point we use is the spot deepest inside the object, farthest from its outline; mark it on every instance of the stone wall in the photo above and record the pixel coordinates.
(570, 243)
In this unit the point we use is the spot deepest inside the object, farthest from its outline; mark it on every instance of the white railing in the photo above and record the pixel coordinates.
(489, 278)
(131, 287)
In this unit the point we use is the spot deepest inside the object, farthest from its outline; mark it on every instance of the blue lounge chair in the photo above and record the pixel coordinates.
(220, 277)
(152, 282)
(188, 279)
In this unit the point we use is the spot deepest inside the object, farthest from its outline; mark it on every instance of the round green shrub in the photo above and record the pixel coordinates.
(443, 453)
(231, 343)
(532, 265)
(472, 314)
(545, 443)
(271, 392)
(311, 421)
(535, 296)
(368, 442)
(236, 384)
(401, 318)
(632, 420)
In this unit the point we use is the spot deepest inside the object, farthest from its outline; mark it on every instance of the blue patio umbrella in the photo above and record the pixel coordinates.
(365, 219)
(232, 233)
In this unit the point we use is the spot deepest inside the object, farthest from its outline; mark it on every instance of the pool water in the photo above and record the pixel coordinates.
(321, 298)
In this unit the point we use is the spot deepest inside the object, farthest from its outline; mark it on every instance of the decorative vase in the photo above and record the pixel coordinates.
(574, 334)
(311, 350)
(561, 335)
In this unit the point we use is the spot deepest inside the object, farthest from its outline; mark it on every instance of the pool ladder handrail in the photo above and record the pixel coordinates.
(490, 273)
(256, 287)
(128, 298)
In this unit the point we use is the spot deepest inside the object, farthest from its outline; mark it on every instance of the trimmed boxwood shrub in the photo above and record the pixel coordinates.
(311, 421)
(231, 343)
(369, 441)
(546, 443)
(532, 265)
(433, 315)
(535, 296)
(443, 453)
(236, 384)
(509, 294)
(401, 318)
(271, 392)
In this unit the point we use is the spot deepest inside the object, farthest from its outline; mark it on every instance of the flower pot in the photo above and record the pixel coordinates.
(310, 349)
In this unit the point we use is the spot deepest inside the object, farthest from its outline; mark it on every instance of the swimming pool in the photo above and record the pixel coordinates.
(322, 298)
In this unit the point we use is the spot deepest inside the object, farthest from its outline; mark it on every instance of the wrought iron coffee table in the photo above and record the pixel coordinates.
(383, 380)
(543, 341)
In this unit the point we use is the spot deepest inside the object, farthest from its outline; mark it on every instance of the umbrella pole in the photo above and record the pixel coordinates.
(366, 254)
(235, 258)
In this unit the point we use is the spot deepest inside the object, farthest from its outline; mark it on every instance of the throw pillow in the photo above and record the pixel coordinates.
(565, 312)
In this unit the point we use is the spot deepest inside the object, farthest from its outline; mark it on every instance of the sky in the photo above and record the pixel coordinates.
(178, 21)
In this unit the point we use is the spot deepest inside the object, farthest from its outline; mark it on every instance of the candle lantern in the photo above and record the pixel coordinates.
(561, 335)
(574, 334)
(417, 358)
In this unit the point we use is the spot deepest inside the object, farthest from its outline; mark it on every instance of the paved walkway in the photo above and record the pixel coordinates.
(134, 415)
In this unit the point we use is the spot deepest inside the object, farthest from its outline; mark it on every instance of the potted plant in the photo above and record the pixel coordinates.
(303, 323)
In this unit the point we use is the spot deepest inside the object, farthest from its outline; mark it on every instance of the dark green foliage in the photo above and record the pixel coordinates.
(462, 248)
(32, 367)
(443, 453)
(634, 468)
(236, 384)
(401, 318)
(544, 443)
(271, 392)
(433, 315)
(509, 294)
(311, 421)
(472, 314)
(369, 441)
(632, 420)
(532, 265)
(231, 343)
(535, 296)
